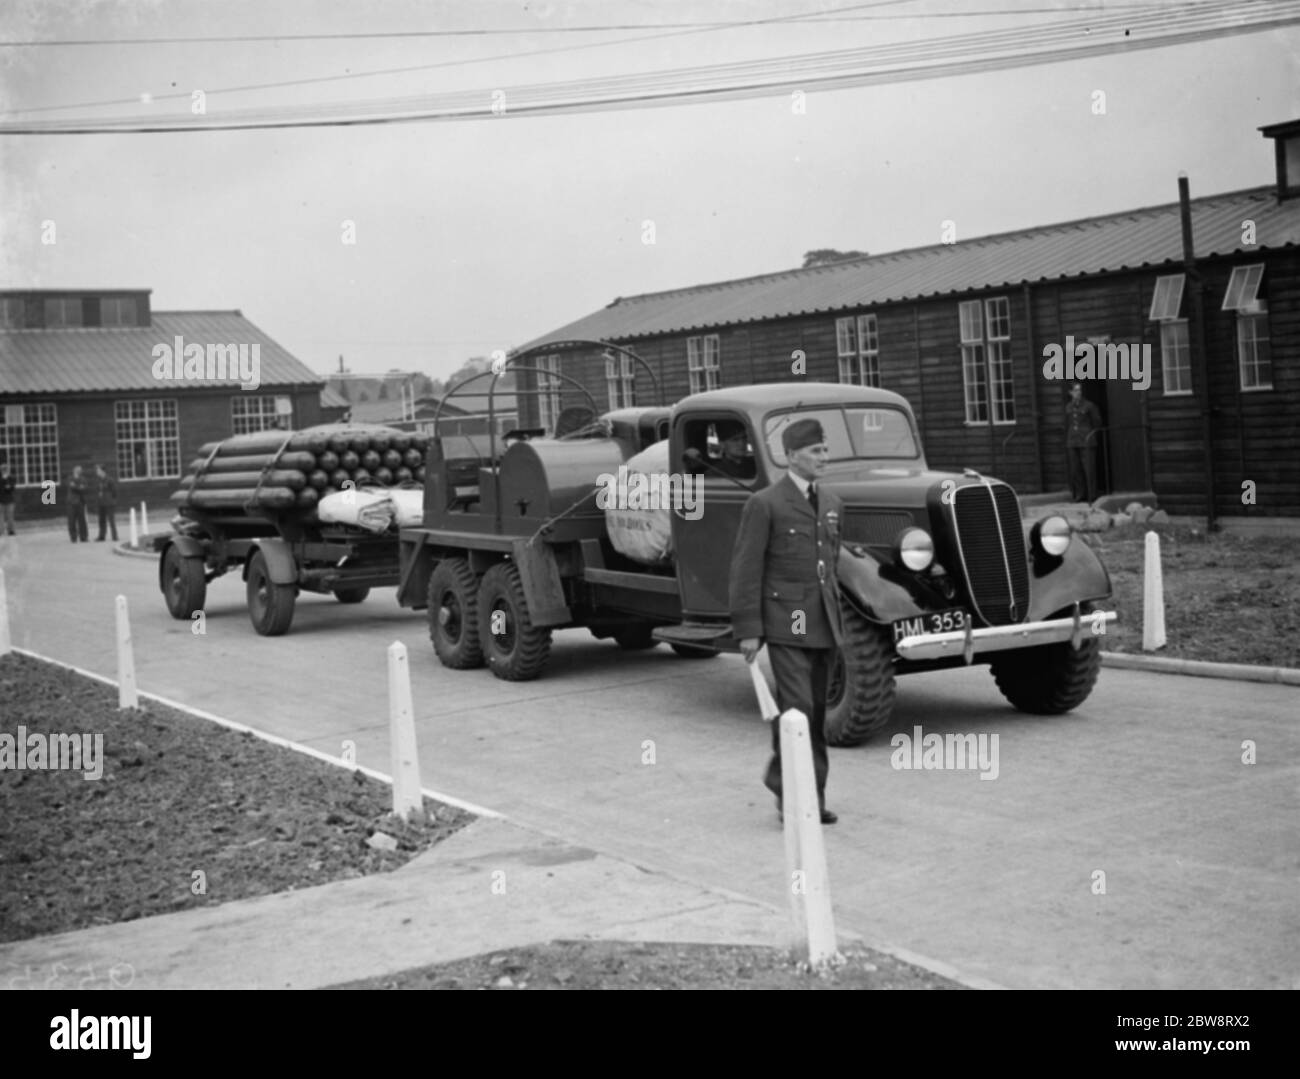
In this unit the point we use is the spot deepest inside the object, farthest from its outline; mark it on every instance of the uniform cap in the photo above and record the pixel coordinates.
(802, 433)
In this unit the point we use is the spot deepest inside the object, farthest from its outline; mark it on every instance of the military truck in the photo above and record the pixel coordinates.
(937, 569)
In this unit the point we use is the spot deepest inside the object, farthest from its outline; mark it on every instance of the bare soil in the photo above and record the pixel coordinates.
(1228, 598)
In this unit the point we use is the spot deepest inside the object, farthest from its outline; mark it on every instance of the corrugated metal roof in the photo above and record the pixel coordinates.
(1122, 241)
(92, 359)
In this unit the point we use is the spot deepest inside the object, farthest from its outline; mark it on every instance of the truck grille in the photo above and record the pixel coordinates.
(992, 547)
(874, 528)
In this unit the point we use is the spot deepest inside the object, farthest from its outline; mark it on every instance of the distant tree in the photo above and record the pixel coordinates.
(824, 256)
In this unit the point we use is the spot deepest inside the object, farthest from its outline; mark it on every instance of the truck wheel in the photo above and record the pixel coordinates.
(270, 605)
(516, 650)
(351, 595)
(453, 614)
(689, 651)
(635, 638)
(860, 690)
(1049, 679)
(184, 588)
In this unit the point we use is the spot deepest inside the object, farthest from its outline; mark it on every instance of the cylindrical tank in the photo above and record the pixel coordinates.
(544, 478)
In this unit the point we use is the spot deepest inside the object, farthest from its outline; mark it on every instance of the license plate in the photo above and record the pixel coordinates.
(955, 618)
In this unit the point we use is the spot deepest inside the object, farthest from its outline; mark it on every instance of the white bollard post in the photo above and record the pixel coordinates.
(1153, 597)
(407, 798)
(135, 538)
(144, 519)
(805, 853)
(126, 694)
(6, 645)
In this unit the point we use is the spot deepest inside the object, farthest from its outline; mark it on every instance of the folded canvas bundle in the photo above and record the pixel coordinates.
(408, 506)
(371, 510)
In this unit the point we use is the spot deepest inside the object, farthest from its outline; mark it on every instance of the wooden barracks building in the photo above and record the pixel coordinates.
(95, 377)
(964, 331)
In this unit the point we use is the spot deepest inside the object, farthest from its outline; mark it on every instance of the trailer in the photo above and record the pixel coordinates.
(270, 530)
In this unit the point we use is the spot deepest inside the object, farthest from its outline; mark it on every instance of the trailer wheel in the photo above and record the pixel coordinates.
(453, 615)
(516, 650)
(860, 689)
(1049, 679)
(270, 605)
(690, 651)
(184, 587)
(351, 595)
(635, 638)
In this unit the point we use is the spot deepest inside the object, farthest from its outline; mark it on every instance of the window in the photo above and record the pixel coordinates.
(858, 347)
(1243, 287)
(11, 313)
(148, 440)
(249, 414)
(29, 441)
(548, 397)
(725, 447)
(117, 311)
(63, 312)
(1168, 297)
(986, 360)
(1254, 357)
(1175, 358)
(621, 379)
(702, 362)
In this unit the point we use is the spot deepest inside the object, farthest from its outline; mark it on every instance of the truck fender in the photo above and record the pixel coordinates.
(186, 546)
(280, 563)
(878, 599)
(1077, 577)
(540, 575)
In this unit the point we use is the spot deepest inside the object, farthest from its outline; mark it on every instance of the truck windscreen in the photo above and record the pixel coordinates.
(851, 432)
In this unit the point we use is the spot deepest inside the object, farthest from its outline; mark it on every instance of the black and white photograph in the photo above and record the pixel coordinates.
(702, 494)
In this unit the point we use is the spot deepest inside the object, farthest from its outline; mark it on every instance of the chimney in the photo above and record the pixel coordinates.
(1286, 148)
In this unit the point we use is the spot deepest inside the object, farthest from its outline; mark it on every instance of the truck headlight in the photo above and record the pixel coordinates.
(1052, 534)
(914, 549)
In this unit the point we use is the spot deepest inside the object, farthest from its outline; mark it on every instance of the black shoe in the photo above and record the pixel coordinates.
(827, 816)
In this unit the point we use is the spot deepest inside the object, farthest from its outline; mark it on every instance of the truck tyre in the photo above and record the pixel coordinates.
(860, 693)
(351, 595)
(1050, 679)
(184, 587)
(689, 651)
(453, 614)
(270, 605)
(635, 638)
(516, 650)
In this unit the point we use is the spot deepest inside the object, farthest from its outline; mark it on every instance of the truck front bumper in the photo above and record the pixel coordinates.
(973, 642)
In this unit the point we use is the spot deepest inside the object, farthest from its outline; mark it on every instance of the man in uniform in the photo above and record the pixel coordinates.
(1082, 421)
(784, 591)
(106, 501)
(77, 529)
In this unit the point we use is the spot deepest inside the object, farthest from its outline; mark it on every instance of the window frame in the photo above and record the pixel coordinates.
(1184, 386)
(21, 451)
(161, 437)
(549, 390)
(1247, 320)
(704, 362)
(274, 413)
(987, 365)
(620, 380)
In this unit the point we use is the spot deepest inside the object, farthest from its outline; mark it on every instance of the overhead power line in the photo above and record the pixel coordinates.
(908, 61)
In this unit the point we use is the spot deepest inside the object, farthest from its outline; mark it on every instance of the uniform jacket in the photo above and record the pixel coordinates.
(775, 568)
(8, 484)
(1080, 421)
(106, 492)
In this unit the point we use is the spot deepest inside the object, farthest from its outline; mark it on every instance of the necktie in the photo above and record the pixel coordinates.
(812, 496)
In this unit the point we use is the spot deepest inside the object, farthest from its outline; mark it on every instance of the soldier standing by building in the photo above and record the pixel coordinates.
(1082, 422)
(8, 486)
(77, 529)
(784, 592)
(106, 502)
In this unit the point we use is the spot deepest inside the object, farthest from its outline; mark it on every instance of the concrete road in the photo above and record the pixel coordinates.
(1126, 845)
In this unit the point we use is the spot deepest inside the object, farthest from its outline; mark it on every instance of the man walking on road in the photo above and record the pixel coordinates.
(784, 592)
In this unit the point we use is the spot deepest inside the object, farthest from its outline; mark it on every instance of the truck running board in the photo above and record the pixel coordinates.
(699, 634)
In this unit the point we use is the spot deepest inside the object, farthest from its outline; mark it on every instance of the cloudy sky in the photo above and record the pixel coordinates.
(482, 233)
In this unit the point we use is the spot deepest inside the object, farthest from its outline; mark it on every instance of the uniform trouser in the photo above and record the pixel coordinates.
(77, 529)
(107, 519)
(801, 676)
(1083, 472)
(7, 512)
